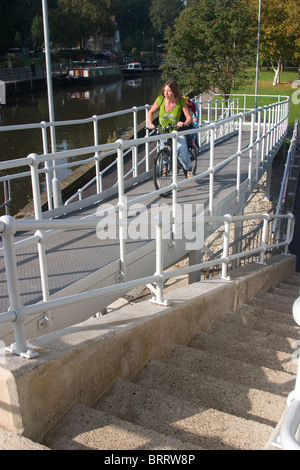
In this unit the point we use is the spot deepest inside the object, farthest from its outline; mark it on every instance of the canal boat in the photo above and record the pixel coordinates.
(87, 74)
(136, 69)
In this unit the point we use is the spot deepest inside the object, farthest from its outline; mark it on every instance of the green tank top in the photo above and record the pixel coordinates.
(173, 116)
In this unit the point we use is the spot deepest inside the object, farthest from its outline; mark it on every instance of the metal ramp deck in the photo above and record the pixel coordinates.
(78, 261)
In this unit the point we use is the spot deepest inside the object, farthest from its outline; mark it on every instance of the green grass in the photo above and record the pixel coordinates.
(265, 87)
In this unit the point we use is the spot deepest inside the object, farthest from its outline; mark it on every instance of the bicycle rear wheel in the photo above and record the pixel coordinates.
(162, 171)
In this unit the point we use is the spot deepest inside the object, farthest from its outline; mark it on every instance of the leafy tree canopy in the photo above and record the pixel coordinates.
(163, 13)
(280, 33)
(210, 45)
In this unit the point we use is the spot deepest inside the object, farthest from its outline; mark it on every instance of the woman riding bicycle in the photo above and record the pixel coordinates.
(171, 105)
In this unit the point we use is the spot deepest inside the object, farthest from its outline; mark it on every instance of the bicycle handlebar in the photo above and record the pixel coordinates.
(166, 129)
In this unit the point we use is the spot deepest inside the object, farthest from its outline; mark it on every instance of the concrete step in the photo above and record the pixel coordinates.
(293, 280)
(268, 316)
(244, 351)
(12, 441)
(85, 428)
(233, 370)
(203, 390)
(182, 419)
(285, 291)
(246, 318)
(290, 287)
(274, 302)
(235, 331)
(227, 389)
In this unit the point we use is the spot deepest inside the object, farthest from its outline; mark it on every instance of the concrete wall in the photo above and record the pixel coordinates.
(79, 363)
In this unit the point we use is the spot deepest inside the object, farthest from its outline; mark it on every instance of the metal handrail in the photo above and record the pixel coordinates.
(50, 169)
(270, 134)
(290, 426)
(286, 175)
(18, 313)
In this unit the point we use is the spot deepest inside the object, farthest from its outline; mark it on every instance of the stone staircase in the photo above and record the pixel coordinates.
(227, 389)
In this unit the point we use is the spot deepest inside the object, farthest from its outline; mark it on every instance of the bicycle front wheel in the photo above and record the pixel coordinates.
(193, 155)
(162, 171)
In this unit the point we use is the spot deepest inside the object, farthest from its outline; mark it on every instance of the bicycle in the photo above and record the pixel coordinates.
(162, 164)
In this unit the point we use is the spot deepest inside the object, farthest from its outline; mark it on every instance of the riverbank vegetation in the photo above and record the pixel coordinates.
(213, 43)
(289, 86)
(204, 44)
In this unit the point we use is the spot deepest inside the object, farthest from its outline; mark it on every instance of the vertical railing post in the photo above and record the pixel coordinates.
(251, 150)
(223, 115)
(273, 128)
(135, 150)
(258, 135)
(159, 263)
(122, 209)
(239, 157)
(263, 143)
(39, 216)
(263, 239)
(200, 110)
(97, 156)
(147, 146)
(48, 175)
(227, 224)
(175, 207)
(36, 194)
(211, 169)
(269, 131)
(276, 108)
(209, 110)
(20, 346)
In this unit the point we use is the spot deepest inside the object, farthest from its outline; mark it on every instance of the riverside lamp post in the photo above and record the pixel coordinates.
(257, 55)
(55, 181)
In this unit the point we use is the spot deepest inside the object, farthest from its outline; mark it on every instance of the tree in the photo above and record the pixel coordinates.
(37, 32)
(280, 33)
(15, 23)
(6, 27)
(163, 13)
(80, 20)
(210, 45)
(134, 24)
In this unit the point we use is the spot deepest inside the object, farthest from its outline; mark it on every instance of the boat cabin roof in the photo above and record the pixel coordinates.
(134, 66)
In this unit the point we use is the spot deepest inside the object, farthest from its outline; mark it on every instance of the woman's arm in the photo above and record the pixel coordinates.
(188, 117)
(151, 112)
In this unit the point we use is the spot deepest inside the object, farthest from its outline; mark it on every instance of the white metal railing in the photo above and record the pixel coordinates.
(18, 313)
(50, 169)
(222, 108)
(267, 131)
(246, 101)
(212, 110)
(289, 434)
(287, 175)
(290, 427)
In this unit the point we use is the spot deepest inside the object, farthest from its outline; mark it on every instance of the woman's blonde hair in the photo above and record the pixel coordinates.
(174, 87)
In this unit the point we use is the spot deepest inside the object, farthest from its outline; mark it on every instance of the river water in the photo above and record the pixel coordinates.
(69, 104)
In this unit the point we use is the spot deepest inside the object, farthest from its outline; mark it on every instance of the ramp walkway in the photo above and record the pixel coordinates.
(74, 254)
(96, 376)
(61, 253)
